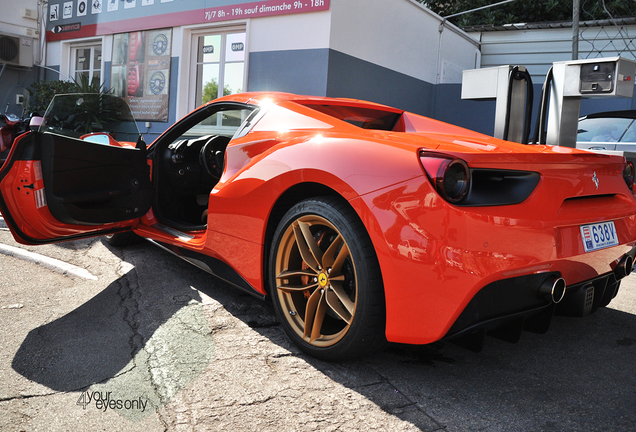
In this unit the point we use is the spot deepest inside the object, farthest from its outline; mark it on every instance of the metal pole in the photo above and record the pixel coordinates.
(576, 6)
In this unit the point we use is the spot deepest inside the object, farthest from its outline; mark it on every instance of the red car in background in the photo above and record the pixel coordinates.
(309, 201)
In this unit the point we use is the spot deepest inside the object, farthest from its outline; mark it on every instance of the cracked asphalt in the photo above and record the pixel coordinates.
(153, 344)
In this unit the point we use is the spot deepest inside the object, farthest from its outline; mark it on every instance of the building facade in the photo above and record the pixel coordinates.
(20, 49)
(169, 56)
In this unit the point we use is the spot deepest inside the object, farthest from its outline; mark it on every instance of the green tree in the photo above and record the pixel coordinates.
(529, 11)
(211, 90)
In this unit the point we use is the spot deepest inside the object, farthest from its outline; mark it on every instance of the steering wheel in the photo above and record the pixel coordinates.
(212, 156)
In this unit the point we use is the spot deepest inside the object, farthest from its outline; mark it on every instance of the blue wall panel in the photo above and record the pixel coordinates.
(354, 78)
(475, 115)
(294, 71)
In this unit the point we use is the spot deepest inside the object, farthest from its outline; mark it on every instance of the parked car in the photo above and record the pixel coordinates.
(611, 130)
(307, 200)
(412, 250)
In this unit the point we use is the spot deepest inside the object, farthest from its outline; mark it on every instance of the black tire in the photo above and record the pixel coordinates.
(338, 285)
(122, 239)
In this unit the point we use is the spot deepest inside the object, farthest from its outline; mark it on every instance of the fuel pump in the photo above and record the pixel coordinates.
(511, 87)
(578, 79)
(566, 84)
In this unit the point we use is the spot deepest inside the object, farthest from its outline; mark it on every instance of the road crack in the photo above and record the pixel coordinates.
(129, 302)
(12, 398)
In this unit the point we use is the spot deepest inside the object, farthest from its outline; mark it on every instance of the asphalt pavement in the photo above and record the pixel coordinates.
(140, 340)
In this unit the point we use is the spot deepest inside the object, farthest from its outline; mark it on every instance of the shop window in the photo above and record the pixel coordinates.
(140, 72)
(220, 65)
(87, 61)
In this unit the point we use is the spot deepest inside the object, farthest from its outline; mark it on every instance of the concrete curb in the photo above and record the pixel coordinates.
(47, 262)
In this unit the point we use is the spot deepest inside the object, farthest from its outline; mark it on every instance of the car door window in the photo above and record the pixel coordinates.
(602, 129)
(94, 163)
(630, 134)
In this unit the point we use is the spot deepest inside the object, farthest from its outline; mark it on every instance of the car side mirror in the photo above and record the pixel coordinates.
(100, 138)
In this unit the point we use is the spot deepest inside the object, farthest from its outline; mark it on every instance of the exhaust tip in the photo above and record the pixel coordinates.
(624, 267)
(553, 289)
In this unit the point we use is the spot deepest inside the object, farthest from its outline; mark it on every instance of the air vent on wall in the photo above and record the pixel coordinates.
(29, 13)
(16, 50)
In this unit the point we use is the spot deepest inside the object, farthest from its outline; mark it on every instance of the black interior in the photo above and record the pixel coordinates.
(186, 172)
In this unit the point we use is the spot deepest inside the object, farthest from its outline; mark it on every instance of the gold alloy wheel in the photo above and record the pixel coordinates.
(316, 280)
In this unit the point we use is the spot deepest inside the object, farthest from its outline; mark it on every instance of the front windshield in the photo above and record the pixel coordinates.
(80, 114)
(226, 121)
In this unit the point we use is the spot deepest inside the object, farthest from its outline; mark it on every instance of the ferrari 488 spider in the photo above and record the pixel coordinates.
(362, 223)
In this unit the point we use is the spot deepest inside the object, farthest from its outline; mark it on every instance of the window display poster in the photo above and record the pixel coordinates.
(140, 72)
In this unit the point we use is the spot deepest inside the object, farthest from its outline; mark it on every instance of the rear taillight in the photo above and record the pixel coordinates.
(628, 175)
(450, 176)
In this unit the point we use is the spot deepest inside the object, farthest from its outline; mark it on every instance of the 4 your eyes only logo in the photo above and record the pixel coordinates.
(104, 401)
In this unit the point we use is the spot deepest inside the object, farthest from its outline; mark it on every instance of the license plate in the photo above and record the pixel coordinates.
(598, 236)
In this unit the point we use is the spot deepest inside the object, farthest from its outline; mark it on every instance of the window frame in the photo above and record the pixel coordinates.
(224, 31)
(73, 57)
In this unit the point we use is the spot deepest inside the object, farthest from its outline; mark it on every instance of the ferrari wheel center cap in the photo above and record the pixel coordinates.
(323, 280)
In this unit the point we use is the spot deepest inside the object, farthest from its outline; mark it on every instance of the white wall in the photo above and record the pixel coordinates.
(401, 35)
(397, 34)
(290, 32)
(11, 20)
(13, 23)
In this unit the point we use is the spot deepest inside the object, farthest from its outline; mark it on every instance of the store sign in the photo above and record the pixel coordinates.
(67, 28)
(118, 16)
(264, 8)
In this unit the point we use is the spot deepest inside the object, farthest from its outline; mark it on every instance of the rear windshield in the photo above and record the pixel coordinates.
(363, 117)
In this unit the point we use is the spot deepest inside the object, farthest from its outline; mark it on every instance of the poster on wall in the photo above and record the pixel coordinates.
(140, 72)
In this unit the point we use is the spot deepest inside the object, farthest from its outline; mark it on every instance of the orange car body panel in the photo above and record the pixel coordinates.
(462, 249)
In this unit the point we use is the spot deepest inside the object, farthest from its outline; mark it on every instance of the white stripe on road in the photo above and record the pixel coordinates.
(47, 262)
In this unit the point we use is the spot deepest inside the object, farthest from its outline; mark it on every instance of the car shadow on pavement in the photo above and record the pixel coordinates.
(579, 374)
(97, 341)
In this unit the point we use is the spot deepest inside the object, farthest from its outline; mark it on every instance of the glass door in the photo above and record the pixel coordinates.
(220, 65)
(87, 61)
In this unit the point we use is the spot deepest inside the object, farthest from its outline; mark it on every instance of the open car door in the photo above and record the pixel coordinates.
(84, 173)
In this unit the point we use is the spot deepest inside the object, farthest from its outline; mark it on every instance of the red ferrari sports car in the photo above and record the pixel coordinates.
(307, 201)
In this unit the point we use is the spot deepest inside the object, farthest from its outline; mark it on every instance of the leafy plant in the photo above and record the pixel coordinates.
(523, 11)
(42, 92)
(84, 85)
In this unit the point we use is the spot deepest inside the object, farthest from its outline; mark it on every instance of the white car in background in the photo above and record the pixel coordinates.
(611, 130)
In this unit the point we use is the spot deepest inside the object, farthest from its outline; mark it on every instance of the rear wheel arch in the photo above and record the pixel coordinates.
(286, 201)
